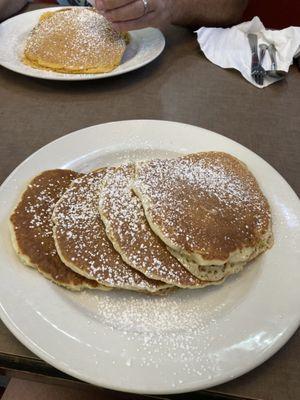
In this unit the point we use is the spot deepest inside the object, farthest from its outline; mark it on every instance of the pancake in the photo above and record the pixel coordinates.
(127, 228)
(31, 229)
(213, 273)
(82, 243)
(206, 207)
(74, 40)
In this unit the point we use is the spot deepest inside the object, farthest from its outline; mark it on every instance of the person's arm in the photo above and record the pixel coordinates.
(127, 15)
(9, 7)
(207, 12)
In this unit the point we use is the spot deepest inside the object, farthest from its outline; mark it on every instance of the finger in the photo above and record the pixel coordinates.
(127, 13)
(111, 4)
(99, 4)
(140, 23)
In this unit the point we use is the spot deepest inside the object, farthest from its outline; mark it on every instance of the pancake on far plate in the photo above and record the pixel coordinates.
(82, 243)
(74, 40)
(31, 229)
(207, 208)
(127, 228)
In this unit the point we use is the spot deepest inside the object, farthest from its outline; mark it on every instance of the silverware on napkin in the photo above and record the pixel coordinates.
(257, 71)
(273, 72)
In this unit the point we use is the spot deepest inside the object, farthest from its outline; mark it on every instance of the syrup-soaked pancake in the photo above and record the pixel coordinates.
(74, 40)
(207, 207)
(82, 243)
(31, 229)
(127, 228)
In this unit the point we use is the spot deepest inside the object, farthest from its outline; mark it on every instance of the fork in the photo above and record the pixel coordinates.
(257, 71)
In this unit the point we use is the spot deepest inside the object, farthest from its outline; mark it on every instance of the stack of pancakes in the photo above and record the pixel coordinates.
(74, 40)
(187, 222)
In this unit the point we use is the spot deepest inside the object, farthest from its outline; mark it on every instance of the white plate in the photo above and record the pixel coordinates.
(186, 341)
(144, 47)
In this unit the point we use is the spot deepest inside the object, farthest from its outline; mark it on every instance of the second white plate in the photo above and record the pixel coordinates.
(144, 47)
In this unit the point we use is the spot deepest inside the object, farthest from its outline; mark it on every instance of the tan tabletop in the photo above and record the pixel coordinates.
(179, 86)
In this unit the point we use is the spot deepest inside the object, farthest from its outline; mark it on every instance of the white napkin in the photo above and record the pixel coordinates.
(229, 48)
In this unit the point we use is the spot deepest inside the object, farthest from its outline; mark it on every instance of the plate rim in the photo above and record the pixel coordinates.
(80, 77)
(27, 342)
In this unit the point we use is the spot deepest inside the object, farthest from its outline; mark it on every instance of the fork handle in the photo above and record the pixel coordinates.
(252, 38)
(272, 53)
(263, 48)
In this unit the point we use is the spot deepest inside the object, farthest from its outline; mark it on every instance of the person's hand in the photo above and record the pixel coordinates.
(127, 15)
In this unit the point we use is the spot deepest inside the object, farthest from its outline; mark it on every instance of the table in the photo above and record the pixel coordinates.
(181, 85)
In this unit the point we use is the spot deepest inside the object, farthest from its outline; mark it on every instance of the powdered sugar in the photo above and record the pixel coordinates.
(208, 203)
(162, 329)
(77, 39)
(40, 203)
(32, 225)
(128, 229)
(81, 237)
